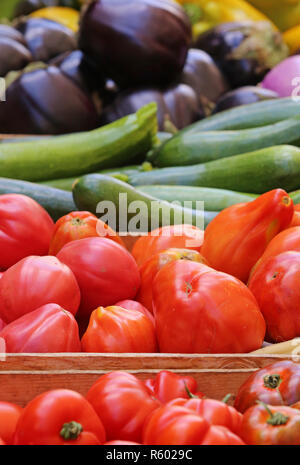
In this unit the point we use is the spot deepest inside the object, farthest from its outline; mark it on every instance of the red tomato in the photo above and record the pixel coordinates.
(25, 229)
(37, 281)
(179, 236)
(9, 417)
(271, 425)
(239, 235)
(155, 263)
(134, 305)
(296, 217)
(167, 386)
(2, 443)
(174, 425)
(105, 271)
(121, 443)
(118, 330)
(59, 417)
(48, 329)
(123, 404)
(79, 225)
(2, 324)
(275, 285)
(276, 384)
(200, 310)
(215, 412)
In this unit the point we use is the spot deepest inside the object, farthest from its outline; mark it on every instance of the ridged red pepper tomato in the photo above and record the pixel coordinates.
(2, 443)
(9, 417)
(179, 236)
(175, 425)
(215, 412)
(118, 330)
(48, 329)
(276, 384)
(25, 229)
(36, 281)
(167, 386)
(200, 310)
(155, 263)
(59, 417)
(271, 426)
(239, 235)
(123, 404)
(79, 225)
(134, 305)
(106, 272)
(275, 285)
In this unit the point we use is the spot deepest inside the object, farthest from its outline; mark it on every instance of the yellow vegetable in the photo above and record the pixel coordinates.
(284, 348)
(60, 14)
(284, 13)
(292, 38)
(206, 14)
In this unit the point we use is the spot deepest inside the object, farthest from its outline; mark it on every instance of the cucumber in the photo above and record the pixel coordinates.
(254, 172)
(122, 173)
(248, 116)
(57, 202)
(75, 154)
(91, 189)
(191, 149)
(214, 199)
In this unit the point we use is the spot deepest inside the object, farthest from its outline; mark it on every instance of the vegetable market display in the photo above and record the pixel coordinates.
(188, 106)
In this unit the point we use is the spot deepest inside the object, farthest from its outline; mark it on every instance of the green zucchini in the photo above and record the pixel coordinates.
(191, 149)
(254, 172)
(91, 189)
(214, 199)
(75, 154)
(57, 202)
(295, 196)
(248, 116)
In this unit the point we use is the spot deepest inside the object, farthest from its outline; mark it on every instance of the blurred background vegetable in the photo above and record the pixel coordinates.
(284, 13)
(14, 54)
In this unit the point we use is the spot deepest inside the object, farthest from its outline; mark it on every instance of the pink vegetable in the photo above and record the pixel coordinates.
(285, 78)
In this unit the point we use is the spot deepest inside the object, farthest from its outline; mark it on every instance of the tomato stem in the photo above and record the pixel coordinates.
(226, 399)
(191, 396)
(275, 419)
(71, 430)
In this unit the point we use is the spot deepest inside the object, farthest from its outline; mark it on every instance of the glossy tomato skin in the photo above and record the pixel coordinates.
(45, 421)
(79, 225)
(2, 443)
(200, 310)
(176, 425)
(123, 404)
(179, 236)
(296, 217)
(134, 305)
(276, 384)
(155, 263)
(26, 229)
(117, 442)
(9, 417)
(167, 386)
(106, 272)
(49, 329)
(118, 330)
(215, 412)
(37, 281)
(275, 285)
(271, 426)
(239, 235)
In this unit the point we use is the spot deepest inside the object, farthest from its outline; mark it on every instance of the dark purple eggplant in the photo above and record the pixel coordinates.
(14, 54)
(46, 39)
(244, 51)
(136, 42)
(25, 7)
(178, 105)
(243, 96)
(45, 101)
(202, 74)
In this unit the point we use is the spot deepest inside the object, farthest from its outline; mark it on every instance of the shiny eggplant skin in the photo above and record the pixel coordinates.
(244, 51)
(46, 39)
(178, 104)
(14, 54)
(136, 42)
(202, 74)
(243, 96)
(45, 101)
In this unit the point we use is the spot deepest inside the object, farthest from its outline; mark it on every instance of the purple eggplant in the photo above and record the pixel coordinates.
(178, 105)
(244, 51)
(45, 101)
(243, 96)
(14, 55)
(136, 42)
(46, 39)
